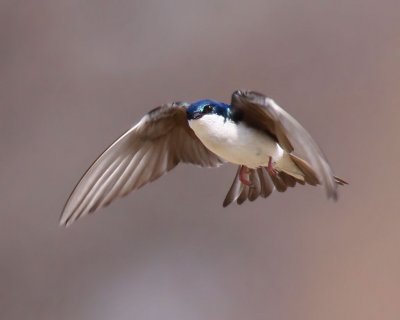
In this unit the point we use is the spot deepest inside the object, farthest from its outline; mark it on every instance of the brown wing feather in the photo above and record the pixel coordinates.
(151, 148)
(263, 113)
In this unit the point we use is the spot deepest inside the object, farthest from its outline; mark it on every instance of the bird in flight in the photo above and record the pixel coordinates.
(252, 132)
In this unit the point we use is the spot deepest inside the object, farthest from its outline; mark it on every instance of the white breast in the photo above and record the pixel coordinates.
(236, 143)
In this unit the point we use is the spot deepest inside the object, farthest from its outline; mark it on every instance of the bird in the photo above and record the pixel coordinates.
(252, 132)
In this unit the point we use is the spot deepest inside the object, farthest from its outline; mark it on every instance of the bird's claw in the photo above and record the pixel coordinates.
(270, 168)
(243, 176)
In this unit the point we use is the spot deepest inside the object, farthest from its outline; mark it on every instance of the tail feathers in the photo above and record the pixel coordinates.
(310, 176)
(340, 181)
(300, 170)
(261, 186)
(290, 170)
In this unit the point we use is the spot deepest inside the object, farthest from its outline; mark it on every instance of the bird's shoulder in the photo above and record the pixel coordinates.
(162, 119)
(249, 108)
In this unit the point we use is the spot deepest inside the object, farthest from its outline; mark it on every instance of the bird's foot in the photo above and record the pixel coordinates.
(244, 176)
(270, 169)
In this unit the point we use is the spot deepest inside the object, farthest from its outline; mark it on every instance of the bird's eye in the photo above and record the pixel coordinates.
(207, 109)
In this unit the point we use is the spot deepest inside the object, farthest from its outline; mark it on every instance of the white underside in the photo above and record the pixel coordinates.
(236, 143)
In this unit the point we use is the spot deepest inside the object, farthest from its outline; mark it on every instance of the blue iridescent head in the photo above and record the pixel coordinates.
(202, 107)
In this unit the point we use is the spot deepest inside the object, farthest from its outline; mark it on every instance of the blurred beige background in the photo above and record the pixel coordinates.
(76, 74)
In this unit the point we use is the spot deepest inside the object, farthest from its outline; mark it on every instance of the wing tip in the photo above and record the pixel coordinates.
(68, 216)
(333, 195)
(226, 203)
(63, 223)
(65, 220)
(333, 192)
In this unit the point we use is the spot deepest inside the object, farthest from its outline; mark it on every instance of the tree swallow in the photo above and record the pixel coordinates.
(252, 132)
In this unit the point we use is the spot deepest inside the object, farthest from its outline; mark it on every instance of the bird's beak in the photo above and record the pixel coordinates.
(194, 115)
(197, 115)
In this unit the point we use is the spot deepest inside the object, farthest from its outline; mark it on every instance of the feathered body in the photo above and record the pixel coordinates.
(236, 142)
(252, 132)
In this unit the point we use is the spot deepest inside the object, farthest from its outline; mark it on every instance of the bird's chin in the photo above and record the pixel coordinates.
(207, 125)
(191, 123)
(196, 124)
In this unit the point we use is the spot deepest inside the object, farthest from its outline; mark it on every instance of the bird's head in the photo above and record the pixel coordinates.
(198, 109)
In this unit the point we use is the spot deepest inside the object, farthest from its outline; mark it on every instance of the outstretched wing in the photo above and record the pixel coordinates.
(264, 113)
(151, 148)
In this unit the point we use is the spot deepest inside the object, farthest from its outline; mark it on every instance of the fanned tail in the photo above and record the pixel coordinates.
(289, 171)
(261, 186)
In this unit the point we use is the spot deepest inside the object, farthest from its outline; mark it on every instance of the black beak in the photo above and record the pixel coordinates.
(194, 115)
(197, 115)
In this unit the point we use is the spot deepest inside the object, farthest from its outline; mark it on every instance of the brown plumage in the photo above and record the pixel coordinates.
(163, 138)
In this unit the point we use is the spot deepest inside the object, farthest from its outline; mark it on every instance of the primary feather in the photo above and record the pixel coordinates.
(151, 148)
(249, 131)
